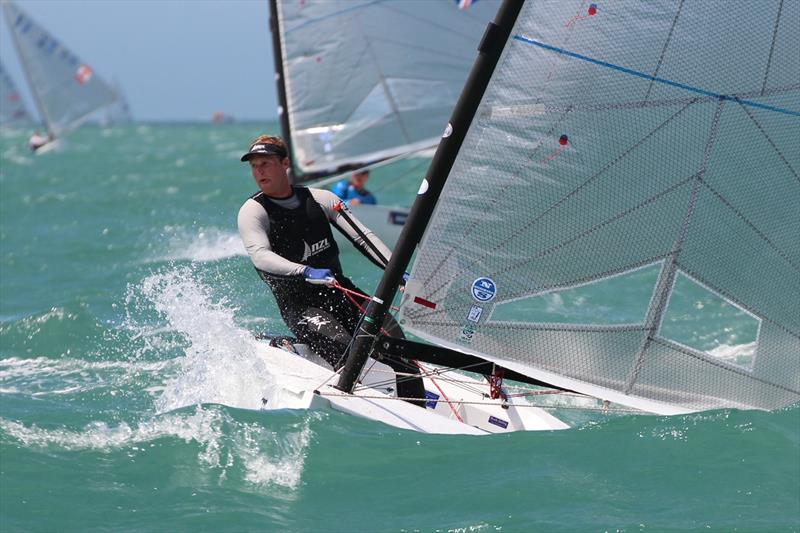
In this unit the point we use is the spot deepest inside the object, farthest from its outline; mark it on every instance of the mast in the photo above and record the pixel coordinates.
(489, 50)
(280, 82)
(36, 96)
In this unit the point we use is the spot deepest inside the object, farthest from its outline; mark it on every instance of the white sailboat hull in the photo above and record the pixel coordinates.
(301, 383)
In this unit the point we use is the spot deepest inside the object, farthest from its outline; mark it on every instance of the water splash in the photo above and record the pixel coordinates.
(220, 363)
(201, 245)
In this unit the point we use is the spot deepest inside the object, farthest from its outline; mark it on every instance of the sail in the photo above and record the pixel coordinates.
(367, 79)
(67, 90)
(12, 108)
(622, 217)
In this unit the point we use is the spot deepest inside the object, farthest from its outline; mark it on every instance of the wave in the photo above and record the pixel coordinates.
(263, 456)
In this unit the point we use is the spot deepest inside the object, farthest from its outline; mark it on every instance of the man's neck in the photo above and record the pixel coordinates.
(285, 196)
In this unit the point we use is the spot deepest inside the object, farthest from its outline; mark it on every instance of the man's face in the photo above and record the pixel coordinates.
(269, 171)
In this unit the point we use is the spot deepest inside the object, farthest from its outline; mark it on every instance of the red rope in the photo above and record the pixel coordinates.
(347, 293)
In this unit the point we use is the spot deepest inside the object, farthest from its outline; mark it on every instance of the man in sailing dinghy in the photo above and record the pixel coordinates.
(287, 233)
(37, 140)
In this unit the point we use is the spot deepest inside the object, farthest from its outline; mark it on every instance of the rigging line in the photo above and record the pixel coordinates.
(664, 49)
(486, 403)
(528, 225)
(772, 46)
(663, 81)
(666, 282)
(449, 403)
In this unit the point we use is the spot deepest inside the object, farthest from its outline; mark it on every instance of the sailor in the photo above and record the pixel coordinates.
(353, 190)
(286, 230)
(37, 140)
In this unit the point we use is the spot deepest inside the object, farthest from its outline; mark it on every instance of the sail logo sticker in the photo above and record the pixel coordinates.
(475, 313)
(484, 289)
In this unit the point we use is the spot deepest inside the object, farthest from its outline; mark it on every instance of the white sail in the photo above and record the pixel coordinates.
(12, 108)
(366, 79)
(623, 216)
(67, 90)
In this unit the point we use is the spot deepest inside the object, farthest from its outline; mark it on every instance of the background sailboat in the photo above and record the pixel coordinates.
(12, 109)
(361, 81)
(66, 90)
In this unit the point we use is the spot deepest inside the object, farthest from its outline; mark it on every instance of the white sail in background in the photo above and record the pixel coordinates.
(623, 217)
(67, 90)
(12, 108)
(367, 79)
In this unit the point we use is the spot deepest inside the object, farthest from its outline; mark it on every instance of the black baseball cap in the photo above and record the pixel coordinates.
(264, 149)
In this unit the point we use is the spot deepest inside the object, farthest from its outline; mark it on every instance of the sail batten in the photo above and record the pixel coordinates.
(622, 217)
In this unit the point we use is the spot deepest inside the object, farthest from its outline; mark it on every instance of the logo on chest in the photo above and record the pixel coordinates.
(315, 248)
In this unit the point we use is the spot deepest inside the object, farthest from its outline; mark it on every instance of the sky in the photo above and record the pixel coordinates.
(176, 60)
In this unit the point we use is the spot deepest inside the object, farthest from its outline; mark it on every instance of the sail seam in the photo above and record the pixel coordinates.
(772, 46)
(728, 296)
(584, 280)
(528, 225)
(665, 102)
(666, 282)
(772, 143)
(500, 195)
(752, 226)
(664, 50)
(719, 364)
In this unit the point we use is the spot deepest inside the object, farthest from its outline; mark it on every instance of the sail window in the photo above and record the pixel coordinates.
(702, 319)
(613, 300)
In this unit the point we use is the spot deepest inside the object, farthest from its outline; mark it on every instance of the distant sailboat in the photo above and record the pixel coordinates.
(66, 90)
(12, 109)
(613, 211)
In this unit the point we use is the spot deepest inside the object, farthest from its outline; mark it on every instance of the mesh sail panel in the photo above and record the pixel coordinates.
(367, 80)
(623, 217)
(12, 109)
(67, 89)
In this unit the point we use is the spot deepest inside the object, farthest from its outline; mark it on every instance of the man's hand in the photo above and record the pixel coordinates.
(319, 276)
(355, 201)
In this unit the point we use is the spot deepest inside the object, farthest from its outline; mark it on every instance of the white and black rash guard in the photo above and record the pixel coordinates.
(253, 222)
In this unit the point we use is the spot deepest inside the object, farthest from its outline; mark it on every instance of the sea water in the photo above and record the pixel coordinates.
(127, 314)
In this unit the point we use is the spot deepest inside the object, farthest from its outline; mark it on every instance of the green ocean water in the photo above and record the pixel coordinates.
(126, 312)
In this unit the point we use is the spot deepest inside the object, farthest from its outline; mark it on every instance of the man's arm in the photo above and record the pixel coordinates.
(371, 247)
(254, 230)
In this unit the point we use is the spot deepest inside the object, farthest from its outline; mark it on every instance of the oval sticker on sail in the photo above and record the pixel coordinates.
(484, 289)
